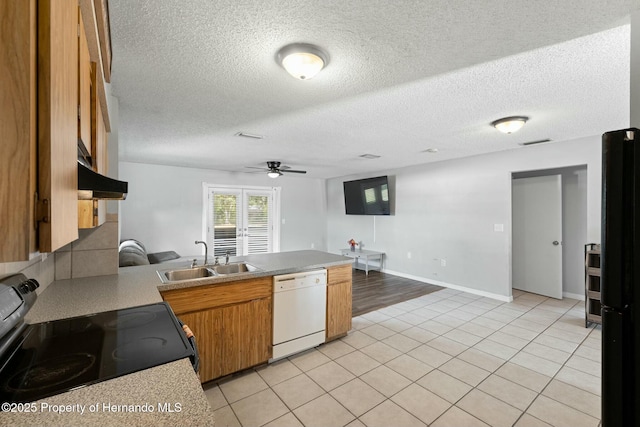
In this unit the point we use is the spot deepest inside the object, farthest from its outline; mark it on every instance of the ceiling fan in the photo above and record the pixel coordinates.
(274, 169)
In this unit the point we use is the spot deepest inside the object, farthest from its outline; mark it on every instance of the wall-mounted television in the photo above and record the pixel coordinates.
(368, 196)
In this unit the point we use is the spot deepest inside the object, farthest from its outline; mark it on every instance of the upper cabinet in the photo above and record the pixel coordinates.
(57, 122)
(39, 175)
(48, 101)
(18, 34)
(91, 129)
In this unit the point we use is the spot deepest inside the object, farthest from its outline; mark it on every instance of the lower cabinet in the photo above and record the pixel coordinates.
(233, 332)
(339, 301)
(246, 335)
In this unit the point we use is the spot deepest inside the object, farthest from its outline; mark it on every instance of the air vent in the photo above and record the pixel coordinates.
(430, 150)
(541, 141)
(369, 156)
(249, 135)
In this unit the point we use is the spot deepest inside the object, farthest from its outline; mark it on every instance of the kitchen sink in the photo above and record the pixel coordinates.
(196, 273)
(234, 268)
(185, 274)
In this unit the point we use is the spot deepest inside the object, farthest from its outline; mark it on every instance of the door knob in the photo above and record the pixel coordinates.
(556, 243)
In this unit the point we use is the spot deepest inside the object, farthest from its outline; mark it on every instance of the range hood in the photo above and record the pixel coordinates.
(92, 185)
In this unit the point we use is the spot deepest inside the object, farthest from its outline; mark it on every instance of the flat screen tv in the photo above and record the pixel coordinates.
(368, 196)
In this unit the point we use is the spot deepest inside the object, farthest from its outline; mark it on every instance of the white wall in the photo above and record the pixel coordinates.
(447, 210)
(164, 206)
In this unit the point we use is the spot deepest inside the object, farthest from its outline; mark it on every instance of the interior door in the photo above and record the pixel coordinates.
(537, 235)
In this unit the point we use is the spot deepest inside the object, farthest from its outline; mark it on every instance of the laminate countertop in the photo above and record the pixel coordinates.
(144, 397)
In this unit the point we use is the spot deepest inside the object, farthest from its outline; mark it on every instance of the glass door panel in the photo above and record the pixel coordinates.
(225, 222)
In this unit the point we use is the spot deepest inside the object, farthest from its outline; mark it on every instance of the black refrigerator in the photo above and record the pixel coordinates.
(620, 278)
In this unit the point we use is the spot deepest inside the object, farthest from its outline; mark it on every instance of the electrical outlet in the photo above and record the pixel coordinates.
(443, 262)
(409, 255)
(313, 246)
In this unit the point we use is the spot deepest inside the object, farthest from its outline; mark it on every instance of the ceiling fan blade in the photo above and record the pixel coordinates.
(291, 171)
(260, 169)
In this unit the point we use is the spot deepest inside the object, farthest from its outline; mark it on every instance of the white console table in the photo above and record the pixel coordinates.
(366, 256)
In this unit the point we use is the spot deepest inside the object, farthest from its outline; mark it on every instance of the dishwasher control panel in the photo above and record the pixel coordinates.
(287, 282)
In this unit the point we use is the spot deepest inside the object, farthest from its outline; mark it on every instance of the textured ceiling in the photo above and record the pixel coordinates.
(403, 76)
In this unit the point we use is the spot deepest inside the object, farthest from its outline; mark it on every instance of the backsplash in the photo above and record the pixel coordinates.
(41, 268)
(95, 253)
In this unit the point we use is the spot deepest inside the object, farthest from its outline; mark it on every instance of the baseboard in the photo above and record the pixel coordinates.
(451, 286)
(579, 297)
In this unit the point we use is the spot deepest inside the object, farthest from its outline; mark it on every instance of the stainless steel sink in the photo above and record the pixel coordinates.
(186, 274)
(234, 268)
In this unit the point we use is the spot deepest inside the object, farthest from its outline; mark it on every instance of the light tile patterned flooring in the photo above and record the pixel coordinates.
(445, 359)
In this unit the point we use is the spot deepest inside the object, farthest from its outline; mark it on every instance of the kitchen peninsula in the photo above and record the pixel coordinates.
(162, 387)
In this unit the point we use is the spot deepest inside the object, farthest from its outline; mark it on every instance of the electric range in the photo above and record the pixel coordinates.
(44, 359)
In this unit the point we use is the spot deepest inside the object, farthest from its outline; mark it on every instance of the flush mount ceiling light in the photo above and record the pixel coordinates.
(510, 124)
(302, 60)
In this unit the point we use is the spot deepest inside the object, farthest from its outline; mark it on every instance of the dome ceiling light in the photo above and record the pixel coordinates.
(510, 124)
(302, 60)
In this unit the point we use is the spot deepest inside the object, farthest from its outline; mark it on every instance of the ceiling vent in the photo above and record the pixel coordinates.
(369, 156)
(540, 141)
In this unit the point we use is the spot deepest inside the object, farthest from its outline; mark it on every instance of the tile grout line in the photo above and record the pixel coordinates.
(423, 305)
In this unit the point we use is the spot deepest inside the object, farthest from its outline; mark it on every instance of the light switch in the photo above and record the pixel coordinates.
(498, 227)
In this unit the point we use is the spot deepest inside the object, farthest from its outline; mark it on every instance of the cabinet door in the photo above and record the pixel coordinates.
(57, 121)
(338, 309)
(246, 335)
(99, 153)
(207, 329)
(85, 207)
(18, 106)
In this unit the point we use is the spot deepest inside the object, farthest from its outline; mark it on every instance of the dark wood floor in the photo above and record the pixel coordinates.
(379, 290)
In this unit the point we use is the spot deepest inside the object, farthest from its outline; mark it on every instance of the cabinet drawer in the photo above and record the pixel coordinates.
(218, 295)
(341, 273)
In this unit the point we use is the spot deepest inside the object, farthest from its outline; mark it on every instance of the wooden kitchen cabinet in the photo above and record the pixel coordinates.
(18, 107)
(339, 301)
(86, 208)
(231, 322)
(38, 197)
(246, 335)
(206, 326)
(92, 213)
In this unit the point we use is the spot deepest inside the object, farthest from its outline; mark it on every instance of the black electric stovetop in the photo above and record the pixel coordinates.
(53, 357)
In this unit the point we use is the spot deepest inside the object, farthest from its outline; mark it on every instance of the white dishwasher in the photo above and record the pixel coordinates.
(299, 312)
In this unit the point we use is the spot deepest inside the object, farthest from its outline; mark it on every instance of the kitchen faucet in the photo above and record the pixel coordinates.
(206, 250)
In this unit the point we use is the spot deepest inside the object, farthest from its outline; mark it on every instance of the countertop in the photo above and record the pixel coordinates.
(172, 385)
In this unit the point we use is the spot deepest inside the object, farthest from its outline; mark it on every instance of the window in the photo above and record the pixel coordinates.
(242, 221)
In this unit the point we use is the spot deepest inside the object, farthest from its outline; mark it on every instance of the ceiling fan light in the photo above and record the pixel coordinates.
(303, 61)
(510, 124)
(273, 174)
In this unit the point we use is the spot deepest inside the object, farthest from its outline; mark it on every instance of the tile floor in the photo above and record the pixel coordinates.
(445, 359)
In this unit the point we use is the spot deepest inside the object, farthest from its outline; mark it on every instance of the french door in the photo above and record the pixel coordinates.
(241, 221)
